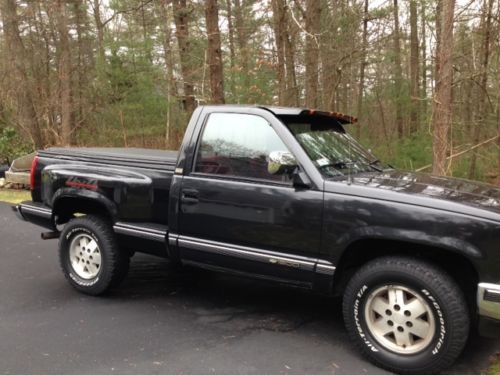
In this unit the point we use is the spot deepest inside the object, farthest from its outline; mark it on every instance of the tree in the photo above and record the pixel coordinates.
(99, 24)
(65, 73)
(486, 23)
(312, 17)
(362, 65)
(423, 85)
(242, 40)
(232, 55)
(22, 83)
(181, 16)
(414, 68)
(442, 105)
(398, 73)
(279, 28)
(214, 52)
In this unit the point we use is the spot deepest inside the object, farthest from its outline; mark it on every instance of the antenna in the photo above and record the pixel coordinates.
(349, 171)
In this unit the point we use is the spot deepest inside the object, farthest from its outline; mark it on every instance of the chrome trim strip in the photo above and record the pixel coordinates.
(139, 228)
(264, 256)
(245, 252)
(172, 239)
(37, 211)
(488, 309)
(139, 233)
(325, 269)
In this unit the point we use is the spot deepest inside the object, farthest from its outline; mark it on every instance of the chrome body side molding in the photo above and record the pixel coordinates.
(140, 231)
(320, 266)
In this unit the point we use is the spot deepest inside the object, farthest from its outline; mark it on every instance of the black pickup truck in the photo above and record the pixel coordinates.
(287, 195)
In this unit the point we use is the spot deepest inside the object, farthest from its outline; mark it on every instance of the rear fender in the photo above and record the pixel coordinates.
(68, 201)
(120, 192)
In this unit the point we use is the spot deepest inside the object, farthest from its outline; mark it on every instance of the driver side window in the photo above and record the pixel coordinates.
(238, 145)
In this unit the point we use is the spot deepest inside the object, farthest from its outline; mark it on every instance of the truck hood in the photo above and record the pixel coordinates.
(465, 192)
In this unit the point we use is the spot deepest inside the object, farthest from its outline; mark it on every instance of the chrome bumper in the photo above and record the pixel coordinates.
(488, 300)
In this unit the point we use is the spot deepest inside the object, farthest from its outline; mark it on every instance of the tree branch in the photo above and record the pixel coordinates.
(462, 152)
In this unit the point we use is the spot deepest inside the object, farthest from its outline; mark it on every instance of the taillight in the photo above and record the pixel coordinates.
(34, 164)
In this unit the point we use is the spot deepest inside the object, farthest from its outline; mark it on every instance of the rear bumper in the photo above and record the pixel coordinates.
(488, 303)
(35, 213)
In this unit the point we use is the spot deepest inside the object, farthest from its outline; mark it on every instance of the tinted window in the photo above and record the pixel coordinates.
(238, 145)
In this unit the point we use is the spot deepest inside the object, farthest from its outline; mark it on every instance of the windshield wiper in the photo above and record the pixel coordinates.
(372, 165)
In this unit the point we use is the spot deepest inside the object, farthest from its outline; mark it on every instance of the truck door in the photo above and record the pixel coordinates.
(234, 214)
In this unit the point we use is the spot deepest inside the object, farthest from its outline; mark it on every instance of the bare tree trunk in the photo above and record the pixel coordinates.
(414, 68)
(482, 97)
(169, 66)
(22, 85)
(279, 26)
(362, 65)
(181, 14)
(242, 40)
(312, 18)
(99, 30)
(398, 72)
(230, 29)
(214, 52)
(442, 106)
(292, 90)
(81, 21)
(423, 85)
(64, 74)
(439, 15)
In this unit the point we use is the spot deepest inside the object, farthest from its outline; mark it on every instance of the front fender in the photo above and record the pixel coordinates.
(444, 242)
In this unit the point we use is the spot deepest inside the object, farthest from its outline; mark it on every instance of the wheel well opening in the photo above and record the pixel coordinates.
(361, 252)
(67, 208)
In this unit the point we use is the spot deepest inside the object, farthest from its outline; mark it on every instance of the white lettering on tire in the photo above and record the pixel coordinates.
(442, 329)
(361, 333)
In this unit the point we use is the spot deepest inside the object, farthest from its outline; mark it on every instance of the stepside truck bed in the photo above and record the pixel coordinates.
(132, 184)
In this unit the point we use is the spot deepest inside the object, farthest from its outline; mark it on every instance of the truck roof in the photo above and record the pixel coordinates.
(299, 111)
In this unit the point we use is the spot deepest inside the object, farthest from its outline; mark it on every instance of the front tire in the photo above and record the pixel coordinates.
(406, 315)
(90, 257)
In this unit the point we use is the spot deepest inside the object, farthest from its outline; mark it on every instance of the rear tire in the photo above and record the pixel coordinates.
(90, 257)
(406, 315)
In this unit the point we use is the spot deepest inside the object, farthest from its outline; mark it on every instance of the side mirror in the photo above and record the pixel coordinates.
(281, 162)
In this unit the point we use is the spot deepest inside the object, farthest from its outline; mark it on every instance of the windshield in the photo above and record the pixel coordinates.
(333, 151)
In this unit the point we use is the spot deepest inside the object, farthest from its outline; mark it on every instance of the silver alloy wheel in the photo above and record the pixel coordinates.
(85, 256)
(400, 319)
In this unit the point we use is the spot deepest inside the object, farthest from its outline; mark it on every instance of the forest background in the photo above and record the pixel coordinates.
(422, 76)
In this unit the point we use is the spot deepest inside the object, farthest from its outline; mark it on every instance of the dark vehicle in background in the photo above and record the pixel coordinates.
(286, 194)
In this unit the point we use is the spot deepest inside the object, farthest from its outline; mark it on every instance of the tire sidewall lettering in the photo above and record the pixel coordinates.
(441, 324)
(357, 320)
